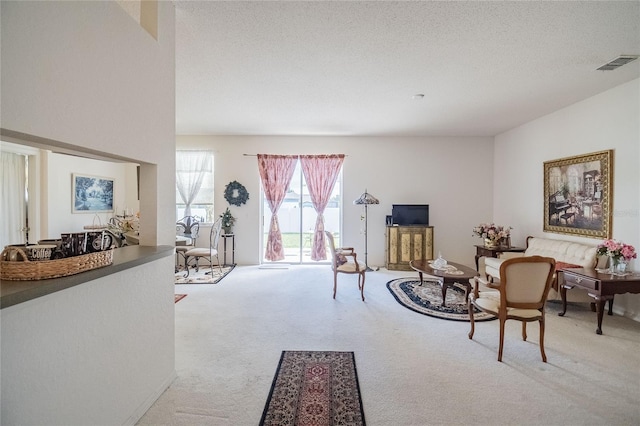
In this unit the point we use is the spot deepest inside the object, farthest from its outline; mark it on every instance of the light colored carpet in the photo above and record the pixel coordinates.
(413, 369)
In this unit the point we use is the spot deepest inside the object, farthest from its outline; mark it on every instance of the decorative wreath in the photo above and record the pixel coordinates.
(235, 193)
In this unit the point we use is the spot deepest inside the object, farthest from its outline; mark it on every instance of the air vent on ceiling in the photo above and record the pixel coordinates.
(618, 62)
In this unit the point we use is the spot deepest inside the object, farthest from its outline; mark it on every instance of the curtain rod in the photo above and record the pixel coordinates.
(255, 155)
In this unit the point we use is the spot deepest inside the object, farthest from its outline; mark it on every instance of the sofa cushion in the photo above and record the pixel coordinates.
(562, 251)
(563, 265)
(565, 253)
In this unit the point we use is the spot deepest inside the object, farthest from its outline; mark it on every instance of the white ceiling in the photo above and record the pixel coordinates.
(352, 68)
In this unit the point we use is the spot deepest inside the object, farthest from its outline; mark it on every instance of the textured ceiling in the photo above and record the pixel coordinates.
(352, 68)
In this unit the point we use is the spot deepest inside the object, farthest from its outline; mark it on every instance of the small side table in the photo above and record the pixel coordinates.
(482, 250)
(602, 286)
(225, 237)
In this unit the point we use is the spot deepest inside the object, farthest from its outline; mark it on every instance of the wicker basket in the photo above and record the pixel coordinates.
(27, 270)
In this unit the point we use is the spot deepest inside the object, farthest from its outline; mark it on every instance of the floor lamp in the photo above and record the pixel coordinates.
(366, 199)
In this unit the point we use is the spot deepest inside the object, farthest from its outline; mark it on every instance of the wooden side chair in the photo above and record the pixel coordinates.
(340, 263)
(523, 289)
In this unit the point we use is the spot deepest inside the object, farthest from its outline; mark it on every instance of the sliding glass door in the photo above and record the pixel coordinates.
(297, 219)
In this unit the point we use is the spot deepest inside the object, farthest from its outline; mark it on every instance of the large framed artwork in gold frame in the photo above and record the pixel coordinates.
(578, 195)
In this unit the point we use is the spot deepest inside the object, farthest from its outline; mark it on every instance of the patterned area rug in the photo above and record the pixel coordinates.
(314, 388)
(426, 299)
(179, 297)
(201, 277)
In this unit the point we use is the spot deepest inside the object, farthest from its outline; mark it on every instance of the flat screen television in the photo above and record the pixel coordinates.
(410, 214)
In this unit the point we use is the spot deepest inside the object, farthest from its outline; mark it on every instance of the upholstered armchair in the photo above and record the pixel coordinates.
(344, 260)
(524, 285)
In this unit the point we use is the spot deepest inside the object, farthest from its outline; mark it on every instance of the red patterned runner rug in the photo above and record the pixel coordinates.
(314, 388)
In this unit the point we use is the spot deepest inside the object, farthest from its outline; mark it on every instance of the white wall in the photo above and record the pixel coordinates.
(89, 79)
(452, 175)
(95, 82)
(86, 355)
(609, 120)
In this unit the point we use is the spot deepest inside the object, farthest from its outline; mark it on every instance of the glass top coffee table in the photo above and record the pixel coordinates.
(452, 273)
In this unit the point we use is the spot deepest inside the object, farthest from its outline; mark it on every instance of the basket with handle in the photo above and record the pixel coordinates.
(96, 224)
(27, 270)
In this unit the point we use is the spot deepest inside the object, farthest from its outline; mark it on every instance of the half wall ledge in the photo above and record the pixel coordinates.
(15, 292)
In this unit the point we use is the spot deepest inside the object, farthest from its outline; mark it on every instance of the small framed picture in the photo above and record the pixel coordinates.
(92, 194)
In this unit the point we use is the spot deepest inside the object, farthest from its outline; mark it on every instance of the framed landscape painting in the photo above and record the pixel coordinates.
(92, 194)
(578, 195)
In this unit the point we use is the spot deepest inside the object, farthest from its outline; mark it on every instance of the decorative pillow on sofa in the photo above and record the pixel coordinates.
(341, 259)
(563, 265)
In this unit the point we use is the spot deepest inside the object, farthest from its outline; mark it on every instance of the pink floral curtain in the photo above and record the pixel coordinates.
(275, 172)
(320, 173)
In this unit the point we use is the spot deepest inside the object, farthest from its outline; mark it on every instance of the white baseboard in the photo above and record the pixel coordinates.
(274, 266)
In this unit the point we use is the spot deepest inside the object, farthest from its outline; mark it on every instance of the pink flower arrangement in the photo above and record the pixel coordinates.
(491, 231)
(617, 250)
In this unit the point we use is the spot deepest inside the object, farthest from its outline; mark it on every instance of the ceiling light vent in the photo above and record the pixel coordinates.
(618, 62)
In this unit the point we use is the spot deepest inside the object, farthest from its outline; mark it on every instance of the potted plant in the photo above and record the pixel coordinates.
(227, 221)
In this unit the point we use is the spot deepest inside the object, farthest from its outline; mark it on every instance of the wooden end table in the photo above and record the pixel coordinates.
(447, 278)
(601, 286)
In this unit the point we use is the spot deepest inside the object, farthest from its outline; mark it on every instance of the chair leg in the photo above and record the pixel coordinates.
(180, 254)
(186, 266)
(211, 266)
(544, 356)
(502, 321)
(524, 330)
(210, 259)
(361, 286)
(471, 319)
(476, 288)
(335, 283)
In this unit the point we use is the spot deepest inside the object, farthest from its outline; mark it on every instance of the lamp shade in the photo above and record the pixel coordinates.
(366, 198)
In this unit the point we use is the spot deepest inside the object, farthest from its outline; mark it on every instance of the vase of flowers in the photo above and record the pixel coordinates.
(227, 221)
(619, 255)
(493, 235)
(489, 243)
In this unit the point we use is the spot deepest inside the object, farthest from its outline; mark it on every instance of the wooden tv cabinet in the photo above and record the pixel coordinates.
(406, 243)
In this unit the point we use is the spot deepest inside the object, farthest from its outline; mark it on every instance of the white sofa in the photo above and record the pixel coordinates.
(565, 253)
